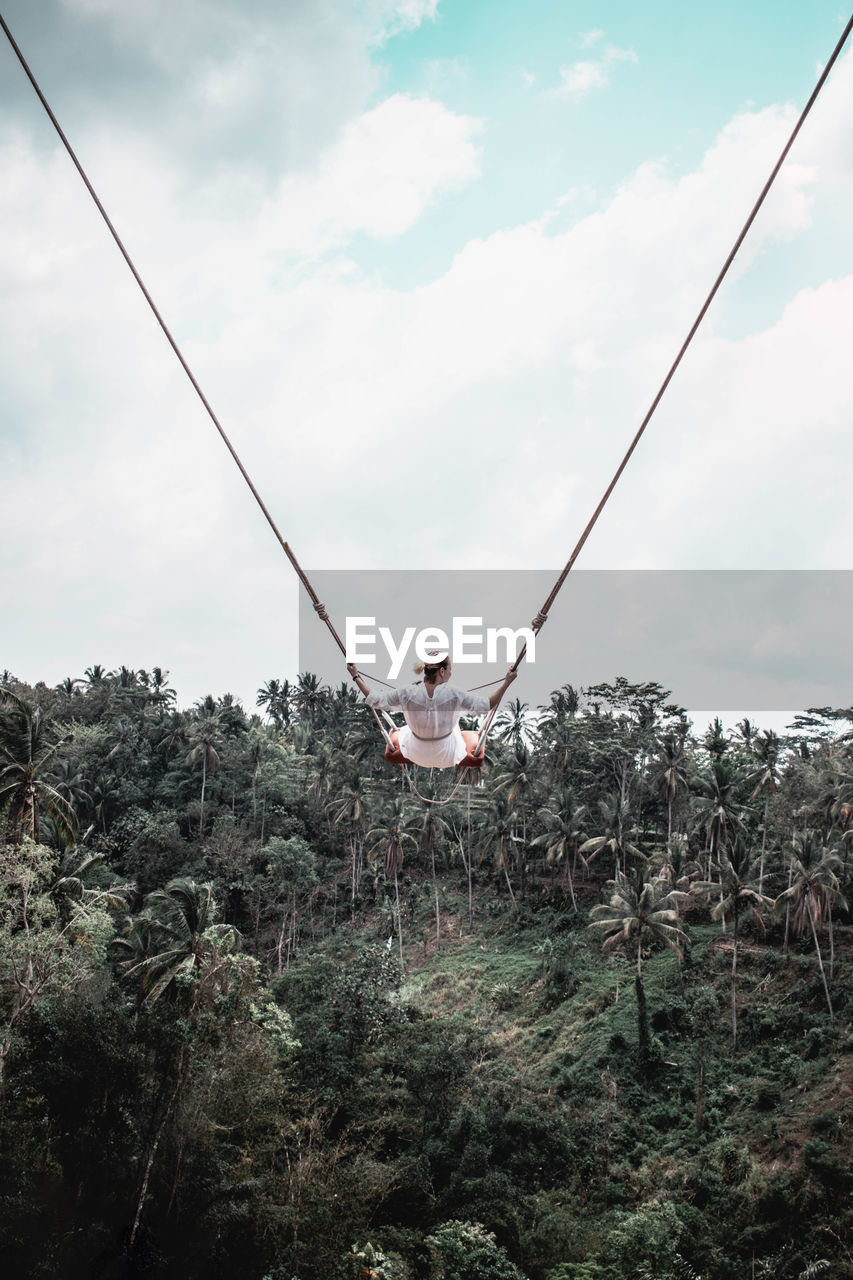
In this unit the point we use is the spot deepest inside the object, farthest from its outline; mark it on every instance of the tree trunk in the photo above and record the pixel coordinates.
(820, 963)
(154, 1146)
(831, 945)
(203, 784)
(435, 890)
(568, 879)
(642, 1014)
(280, 944)
(399, 921)
(700, 1091)
(734, 979)
(763, 844)
(506, 877)
(642, 1020)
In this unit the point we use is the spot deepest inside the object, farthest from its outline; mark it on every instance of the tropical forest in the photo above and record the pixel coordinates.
(269, 1013)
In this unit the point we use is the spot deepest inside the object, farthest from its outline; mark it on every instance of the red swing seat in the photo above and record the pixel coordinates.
(473, 760)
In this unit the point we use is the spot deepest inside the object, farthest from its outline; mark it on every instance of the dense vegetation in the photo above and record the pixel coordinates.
(265, 1014)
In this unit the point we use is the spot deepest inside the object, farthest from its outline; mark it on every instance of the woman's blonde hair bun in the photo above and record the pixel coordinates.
(434, 663)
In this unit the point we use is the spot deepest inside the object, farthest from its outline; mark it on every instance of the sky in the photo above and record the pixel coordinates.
(429, 260)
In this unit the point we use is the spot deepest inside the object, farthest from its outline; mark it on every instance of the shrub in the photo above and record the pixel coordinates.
(467, 1251)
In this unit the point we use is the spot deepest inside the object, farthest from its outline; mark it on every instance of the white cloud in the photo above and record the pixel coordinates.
(590, 38)
(582, 77)
(378, 178)
(406, 15)
(524, 368)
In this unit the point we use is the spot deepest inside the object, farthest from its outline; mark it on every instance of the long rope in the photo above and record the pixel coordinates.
(542, 615)
(315, 600)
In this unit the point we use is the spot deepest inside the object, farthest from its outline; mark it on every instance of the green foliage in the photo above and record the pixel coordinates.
(467, 1251)
(589, 1269)
(161, 1112)
(648, 1237)
(362, 995)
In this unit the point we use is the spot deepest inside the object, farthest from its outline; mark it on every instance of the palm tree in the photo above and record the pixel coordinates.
(517, 778)
(26, 757)
(641, 911)
(737, 890)
(161, 693)
(718, 807)
(73, 894)
(613, 818)
(766, 752)
(434, 829)
(70, 783)
(501, 837)
(268, 696)
(562, 821)
(715, 741)
(813, 888)
(670, 775)
(310, 697)
(205, 737)
(557, 731)
(349, 807)
(511, 724)
(175, 936)
(175, 738)
(68, 687)
(391, 839)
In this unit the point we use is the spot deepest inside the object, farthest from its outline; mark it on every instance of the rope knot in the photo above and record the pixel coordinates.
(321, 610)
(539, 622)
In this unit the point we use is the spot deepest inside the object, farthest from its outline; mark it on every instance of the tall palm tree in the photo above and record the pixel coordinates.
(390, 839)
(614, 818)
(69, 687)
(70, 783)
(562, 818)
(26, 759)
(813, 889)
(349, 807)
(74, 895)
(517, 778)
(501, 837)
(715, 741)
(434, 830)
(161, 692)
(310, 697)
(670, 775)
(718, 805)
(642, 910)
(737, 890)
(205, 737)
(175, 738)
(765, 751)
(511, 724)
(175, 936)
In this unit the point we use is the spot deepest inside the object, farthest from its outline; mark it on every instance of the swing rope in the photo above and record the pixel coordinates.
(542, 616)
(319, 607)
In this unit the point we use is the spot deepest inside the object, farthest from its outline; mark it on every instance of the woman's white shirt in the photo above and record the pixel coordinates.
(431, 735)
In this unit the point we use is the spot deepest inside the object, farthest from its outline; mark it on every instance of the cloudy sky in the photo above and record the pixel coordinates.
(429, 260)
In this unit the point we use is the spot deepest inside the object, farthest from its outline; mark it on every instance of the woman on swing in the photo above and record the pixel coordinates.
(431, 736)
